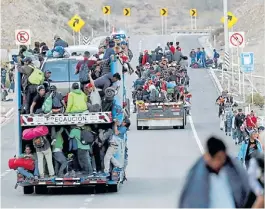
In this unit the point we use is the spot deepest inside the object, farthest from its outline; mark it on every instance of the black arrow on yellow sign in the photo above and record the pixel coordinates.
(76, 22)
(106, 10)
(164, 12)
(126, 12)
(193, 12)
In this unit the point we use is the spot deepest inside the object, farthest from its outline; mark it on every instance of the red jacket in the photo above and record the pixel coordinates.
(251, 121)
(145, 59)
(89, 64)
(172, 49)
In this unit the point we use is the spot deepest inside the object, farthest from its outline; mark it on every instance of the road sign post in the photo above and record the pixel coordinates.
(193, 18)
(126, 13)
(106, 10)
(164, 14)
(76, 23)
(247, 66)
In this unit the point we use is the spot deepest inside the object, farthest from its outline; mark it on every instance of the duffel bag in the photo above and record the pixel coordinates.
(31, 133)
(27, 164)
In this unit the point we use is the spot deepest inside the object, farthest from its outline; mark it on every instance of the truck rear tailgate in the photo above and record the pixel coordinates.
(164, 114)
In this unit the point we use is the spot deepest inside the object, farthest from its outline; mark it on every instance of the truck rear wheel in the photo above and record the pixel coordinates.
(41, 189)
(145, 127)
(28, 189)
(175, 127)
(138, 127)
(113, 188)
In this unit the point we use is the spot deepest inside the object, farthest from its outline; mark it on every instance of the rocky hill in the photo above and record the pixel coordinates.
(45, 18)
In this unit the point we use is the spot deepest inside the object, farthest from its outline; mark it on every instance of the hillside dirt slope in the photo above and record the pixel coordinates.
(45, 18)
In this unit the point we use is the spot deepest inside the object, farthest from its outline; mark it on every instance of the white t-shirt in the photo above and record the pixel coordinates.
(220, 191)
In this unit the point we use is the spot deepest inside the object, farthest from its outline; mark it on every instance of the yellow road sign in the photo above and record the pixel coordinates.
(163, 12)
(231, 18)
(193, 12)
(106, 10)
(127, 11)
(76, 23)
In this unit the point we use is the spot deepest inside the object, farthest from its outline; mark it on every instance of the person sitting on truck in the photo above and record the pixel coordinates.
(119, 131)
(77, 100)
(38, 101)
(58, 104)
(27, 154)
(59, 42)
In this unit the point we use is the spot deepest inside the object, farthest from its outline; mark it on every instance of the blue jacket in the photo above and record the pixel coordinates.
(60, 42)
(196, 191)
(243, 150)
(108, 53)
(198, 54)
(215, 55)
(203, 55)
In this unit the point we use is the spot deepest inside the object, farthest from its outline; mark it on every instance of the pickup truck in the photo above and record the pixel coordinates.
(160, 115)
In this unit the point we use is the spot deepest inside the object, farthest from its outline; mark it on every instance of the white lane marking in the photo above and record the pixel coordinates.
(195, 134)
(5, 173)
(87, 201)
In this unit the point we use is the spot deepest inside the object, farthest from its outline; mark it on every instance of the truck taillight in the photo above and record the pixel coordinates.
(102, 117)
(30, 119)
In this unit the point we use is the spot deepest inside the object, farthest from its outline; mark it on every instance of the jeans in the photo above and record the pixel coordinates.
(31, 92)
(240, 135)
(60, 163)
(24, 172)
(12, 87)
(84, 160)
(234, 133)
(109, 158)
(48, 156)
(3, 81)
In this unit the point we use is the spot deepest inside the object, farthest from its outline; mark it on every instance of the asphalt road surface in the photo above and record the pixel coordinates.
(158, 159)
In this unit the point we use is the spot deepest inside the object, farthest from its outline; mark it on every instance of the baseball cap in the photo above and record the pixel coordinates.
(89, 85)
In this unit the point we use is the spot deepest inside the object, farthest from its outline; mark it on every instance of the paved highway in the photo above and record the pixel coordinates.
(158, 159)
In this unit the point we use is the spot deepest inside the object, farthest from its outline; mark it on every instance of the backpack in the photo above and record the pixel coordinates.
(217, 55)
(36, 77)
(153, 95)
(83, 72)
(130, 54)
(87, 137)
(39, 142)
(47, 105)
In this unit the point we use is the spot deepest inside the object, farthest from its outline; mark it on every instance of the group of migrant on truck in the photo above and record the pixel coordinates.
(76, 149)
(162, 78)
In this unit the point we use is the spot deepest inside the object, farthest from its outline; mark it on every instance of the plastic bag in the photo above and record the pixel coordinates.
(47, 105)
(95, 97)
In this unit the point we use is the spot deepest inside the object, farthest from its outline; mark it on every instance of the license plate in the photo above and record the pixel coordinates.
(176, 113)
(92, 182)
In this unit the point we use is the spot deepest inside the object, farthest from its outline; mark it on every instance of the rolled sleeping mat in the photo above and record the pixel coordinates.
(110, 92)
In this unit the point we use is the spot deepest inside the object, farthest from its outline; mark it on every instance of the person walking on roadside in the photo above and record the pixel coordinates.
(216, 56)
(11, 80)
(216, 180)
(239, 122)
(248, 147)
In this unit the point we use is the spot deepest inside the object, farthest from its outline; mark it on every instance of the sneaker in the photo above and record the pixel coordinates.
(105, 174)
(117, 169)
